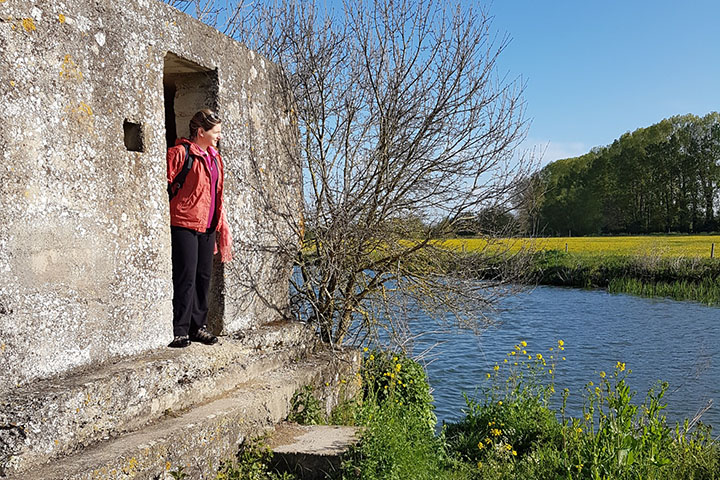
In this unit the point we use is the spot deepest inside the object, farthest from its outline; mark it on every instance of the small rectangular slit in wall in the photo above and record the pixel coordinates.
(133, 136)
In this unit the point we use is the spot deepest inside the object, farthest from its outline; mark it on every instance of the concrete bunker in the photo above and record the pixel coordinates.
(84, 223)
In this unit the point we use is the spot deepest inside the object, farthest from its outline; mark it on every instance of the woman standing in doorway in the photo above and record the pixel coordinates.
(198, 226)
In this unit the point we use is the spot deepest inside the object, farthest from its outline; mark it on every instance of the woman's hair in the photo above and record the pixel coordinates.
(205, 119)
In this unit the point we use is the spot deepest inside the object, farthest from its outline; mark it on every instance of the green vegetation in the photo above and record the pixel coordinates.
(509, 431)
(678, 267)
(397, 413)
(663, 178)
(305, 409)
(251, 464)
(512, 432)
(673, 277)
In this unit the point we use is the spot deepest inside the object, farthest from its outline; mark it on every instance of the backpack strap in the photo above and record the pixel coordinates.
(177, 183)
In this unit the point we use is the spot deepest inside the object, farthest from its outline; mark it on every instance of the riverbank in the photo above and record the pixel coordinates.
(679, 278)
(680, 267)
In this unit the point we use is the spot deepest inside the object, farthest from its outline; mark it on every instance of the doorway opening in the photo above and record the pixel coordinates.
(189, 87)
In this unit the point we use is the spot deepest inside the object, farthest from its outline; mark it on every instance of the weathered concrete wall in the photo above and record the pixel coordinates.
(85, 272)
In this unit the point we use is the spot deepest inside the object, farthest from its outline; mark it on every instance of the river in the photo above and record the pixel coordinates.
(657, 339)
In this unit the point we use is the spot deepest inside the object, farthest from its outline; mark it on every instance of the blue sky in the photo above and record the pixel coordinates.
(597, 69)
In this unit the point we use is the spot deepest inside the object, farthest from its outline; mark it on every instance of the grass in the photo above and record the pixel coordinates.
(677, 267)
(679, 278)
(667, 246)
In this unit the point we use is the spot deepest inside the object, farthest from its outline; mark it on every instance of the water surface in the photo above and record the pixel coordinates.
(658, 339)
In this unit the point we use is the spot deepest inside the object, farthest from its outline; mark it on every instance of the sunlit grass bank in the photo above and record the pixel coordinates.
(677, 267)
(679, 278)
(686, 246)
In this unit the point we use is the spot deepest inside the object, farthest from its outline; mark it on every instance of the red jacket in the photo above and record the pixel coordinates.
(190, 208)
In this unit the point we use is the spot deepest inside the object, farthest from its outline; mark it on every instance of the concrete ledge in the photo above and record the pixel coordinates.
(200, 438)
(55, 417)
(312, 452)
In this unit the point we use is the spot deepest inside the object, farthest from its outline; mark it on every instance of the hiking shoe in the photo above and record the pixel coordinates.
(181, 341)
(203, 336)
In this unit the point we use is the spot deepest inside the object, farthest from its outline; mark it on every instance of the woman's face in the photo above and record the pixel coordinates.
(210, 137)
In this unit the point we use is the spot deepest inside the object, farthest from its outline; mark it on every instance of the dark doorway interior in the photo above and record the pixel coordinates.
(188, 87)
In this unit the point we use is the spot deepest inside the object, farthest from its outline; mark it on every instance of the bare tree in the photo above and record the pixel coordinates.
(406, 128)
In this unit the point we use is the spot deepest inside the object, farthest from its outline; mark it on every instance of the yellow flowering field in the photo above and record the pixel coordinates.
(664, 246)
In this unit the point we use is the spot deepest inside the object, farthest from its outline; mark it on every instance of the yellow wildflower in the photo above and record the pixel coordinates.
(620, 366)
(495, 432)
(560, 343)
(514, 453)
(602, 374)
(496, 367)
(523, 343)
(539, 356)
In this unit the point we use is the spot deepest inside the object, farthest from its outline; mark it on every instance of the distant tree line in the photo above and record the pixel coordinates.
(663, 178)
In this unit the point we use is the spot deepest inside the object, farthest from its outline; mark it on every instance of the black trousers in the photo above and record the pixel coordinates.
(192, 260)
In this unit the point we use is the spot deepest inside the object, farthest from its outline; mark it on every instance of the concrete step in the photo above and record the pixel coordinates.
(200, 438)
(56, 417)
(311, 452)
